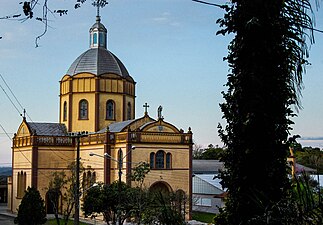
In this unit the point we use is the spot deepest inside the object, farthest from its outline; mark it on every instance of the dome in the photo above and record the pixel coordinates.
(98, 61)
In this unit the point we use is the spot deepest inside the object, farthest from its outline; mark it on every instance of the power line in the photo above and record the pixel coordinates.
(10, 100)
(11, 91)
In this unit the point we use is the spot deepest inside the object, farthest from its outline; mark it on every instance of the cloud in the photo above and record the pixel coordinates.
(166, 19)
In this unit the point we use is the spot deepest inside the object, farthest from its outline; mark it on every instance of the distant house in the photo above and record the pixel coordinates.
(300, 168)
(207, 192)
(4, 173)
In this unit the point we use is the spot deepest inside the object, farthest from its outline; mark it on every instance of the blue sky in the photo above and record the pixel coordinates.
(168, 46)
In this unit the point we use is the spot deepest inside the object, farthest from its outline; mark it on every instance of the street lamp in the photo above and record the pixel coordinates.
(120, 162)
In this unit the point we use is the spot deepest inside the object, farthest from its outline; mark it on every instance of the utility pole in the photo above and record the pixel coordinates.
(77, 182)
(77, 177)
(120, 159)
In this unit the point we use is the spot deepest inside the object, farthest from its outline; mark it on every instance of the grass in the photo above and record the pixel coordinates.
(70, 222)
(203, 217)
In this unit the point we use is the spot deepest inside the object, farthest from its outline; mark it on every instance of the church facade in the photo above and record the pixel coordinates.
(97, 100)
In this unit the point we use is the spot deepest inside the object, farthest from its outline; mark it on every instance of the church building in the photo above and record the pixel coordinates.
(97, 100)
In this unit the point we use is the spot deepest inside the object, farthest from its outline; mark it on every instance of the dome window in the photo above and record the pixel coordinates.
(95, 39)
(102, 40)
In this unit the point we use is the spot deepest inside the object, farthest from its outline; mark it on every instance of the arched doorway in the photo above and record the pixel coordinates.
(52, 201)
(160, 187)
(180, 199)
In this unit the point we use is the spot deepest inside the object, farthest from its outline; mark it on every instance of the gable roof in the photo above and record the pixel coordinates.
(47, 129)
(206, 184)
(118, 127)
(207, 166)
(300, 168)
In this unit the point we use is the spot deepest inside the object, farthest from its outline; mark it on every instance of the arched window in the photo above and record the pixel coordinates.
(93, 178)
(21, 184)
(95, 38)
(89, 178)
(65, 111)
(120, 155)
(110, 110)
(168, 160)
(152, 160)
(160, 157)
(129, 111)
(101, 39)
(180, 201)
(83, 110)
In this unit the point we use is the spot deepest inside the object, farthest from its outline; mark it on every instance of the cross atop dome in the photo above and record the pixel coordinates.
(98, 4)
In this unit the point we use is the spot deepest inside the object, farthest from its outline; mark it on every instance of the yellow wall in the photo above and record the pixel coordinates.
(83, 125)
(118, 101)
(177, 177)
(84, 86)
(16, 201)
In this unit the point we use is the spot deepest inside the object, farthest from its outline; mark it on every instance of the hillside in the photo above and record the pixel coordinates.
(5, 171)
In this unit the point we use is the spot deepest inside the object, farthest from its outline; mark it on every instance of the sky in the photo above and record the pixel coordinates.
(169, 47)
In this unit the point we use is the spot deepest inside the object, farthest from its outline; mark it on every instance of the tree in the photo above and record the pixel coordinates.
(165, 208)
(69, 191)
(197, 151)
(104, 199)
(311, 157)
(266, 58)
(63, 186)
(28, 9)
(31, 210)
(301, 207)
(212, 152)
(55, 188)
(139, 194)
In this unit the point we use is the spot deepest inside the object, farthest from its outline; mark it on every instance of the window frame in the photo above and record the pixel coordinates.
(81, 109)
(95, 38)
(21, 184)
(152, 160)
(129, 111)
(107, 110)
(166, 161)
(65, 111)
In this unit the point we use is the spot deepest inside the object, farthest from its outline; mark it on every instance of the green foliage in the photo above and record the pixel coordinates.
(62, 186)
(54, 192)
(211, 152)
(203, 217)
(266, 59)
(300, 207)
(139, 173)
(31, 210)
(105, 199)
(165, 208)
(142, 206)
(310, 157)
(70, 222)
